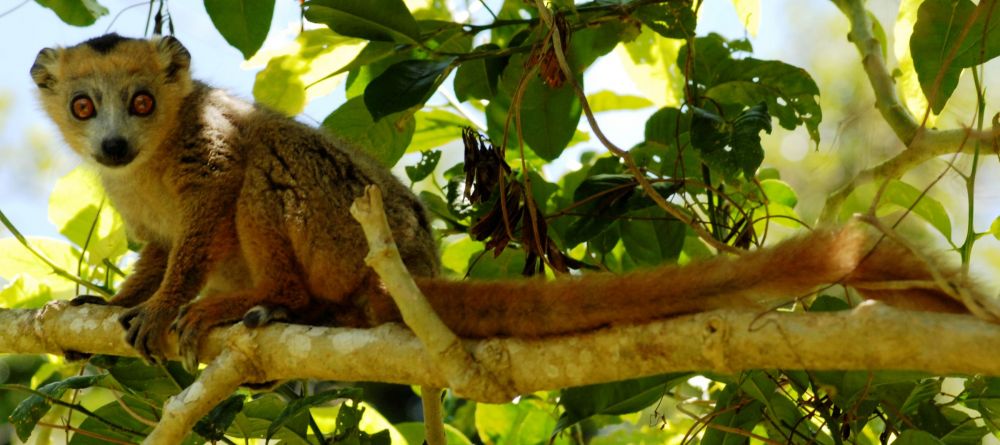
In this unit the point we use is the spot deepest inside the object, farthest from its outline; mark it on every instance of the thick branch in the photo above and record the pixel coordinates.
(720, 341)
(922, 144)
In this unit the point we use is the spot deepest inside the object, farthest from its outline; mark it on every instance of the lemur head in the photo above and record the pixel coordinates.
(114, 98)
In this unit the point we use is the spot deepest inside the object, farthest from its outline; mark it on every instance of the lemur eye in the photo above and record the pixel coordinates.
(82, 108)
(142, 104)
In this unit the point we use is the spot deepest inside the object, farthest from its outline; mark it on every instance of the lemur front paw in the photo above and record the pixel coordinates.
(195, 321)
(146, 328)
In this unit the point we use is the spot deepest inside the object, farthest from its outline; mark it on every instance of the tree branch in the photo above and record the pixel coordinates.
(922, 144)
(725, 341)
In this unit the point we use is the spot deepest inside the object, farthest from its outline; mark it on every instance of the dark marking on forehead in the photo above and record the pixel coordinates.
(104, 44)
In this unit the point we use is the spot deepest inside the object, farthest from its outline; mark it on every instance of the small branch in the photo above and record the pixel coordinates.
(922, 144)
(623, 154)
(464, 375)
(222, 376)
(433, 416)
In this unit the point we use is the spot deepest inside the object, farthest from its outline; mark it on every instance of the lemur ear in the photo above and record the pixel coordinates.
(41, 71)
(175, 57)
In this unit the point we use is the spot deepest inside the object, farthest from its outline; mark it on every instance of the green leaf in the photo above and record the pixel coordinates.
(917, 437)
(258, 415)
(590, 43)
(826, 303)
(415, 434)
(384, 20)
(16, 260)
(613, 398)
(75, 12)
(435, 128)
(923, 392)
(150, 382)
(548, 116)
(214, 425)
(300, 407)
(385, 140)
(79, 208)
(34, 407)
(477, 78)
(778, 191)
(733, 412)
(243, 23)
(403, 85)
(995, 228)
(903, 195)
(371, 53)
(674, 20)
(938, 35)
(601, 212)
(280, 87)
(428, 161)
(25, 292)
(126, 419)
(608, 101)
(731, 148)
(514, 424)
(651, 236)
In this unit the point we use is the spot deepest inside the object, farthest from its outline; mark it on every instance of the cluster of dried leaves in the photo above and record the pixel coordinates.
(514, 215)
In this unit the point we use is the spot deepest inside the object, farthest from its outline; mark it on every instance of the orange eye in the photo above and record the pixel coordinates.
(82, 108)
(142, 104)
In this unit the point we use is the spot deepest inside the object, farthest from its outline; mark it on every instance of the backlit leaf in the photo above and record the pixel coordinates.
(385, 140)
(384, 20)
(243, 23)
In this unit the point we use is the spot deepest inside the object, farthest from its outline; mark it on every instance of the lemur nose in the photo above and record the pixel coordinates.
(114, 148)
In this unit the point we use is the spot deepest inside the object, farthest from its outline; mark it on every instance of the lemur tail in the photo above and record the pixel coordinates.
(849, 255)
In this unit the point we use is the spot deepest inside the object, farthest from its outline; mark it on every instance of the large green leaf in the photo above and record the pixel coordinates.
(75, 12)
(527, 422)
(477, 78)
(385, 140)
(385, 20)
(651, 236)
(16, 260)
(940, 33)
(214, 425)
(790, 93)
(731, 147)
(435, 128)
(402, 86)
(282, 84)
(613, 398)
(79, 208)
(899, 194)
(609, 100)
(548, 118)
(300, 407)
(243, 23)
(34, 407)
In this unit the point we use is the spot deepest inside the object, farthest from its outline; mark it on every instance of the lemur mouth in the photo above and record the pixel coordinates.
(115, 161)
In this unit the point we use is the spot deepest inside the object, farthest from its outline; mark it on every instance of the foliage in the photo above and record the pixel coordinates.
(524, 73)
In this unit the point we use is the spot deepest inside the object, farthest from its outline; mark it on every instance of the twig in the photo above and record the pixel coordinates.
(921, 144)
(464, 374)
(433, 416)
(625, 155)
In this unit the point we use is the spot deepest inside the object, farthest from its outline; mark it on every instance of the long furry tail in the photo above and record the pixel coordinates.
(793, 269)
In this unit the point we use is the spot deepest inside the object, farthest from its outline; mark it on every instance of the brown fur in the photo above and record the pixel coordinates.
(250, 208)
